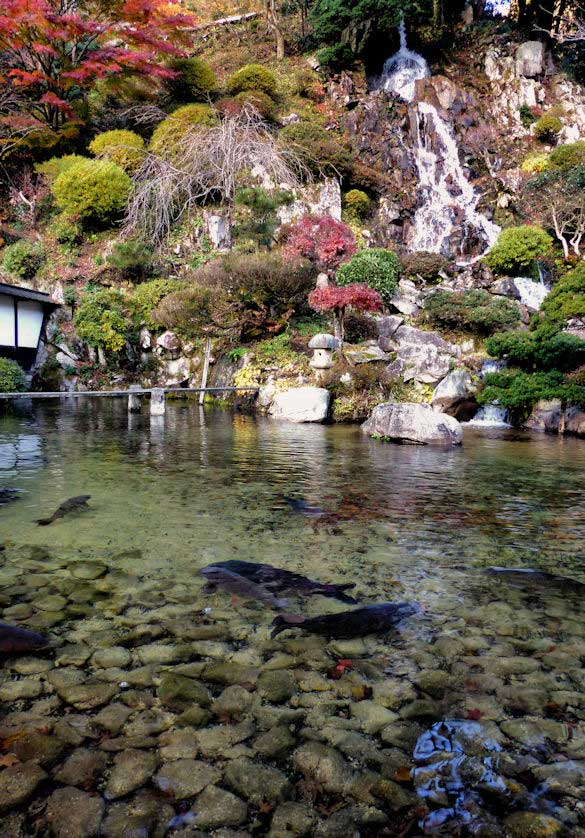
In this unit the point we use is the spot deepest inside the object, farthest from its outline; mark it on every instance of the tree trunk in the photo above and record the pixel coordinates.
(271, 14)
(339, 324)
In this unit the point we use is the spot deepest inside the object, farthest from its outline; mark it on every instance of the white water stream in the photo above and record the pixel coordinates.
(448, 198)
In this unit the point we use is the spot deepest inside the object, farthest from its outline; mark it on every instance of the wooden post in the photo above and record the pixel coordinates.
(157, 402)
(134, 401)
(205, 370)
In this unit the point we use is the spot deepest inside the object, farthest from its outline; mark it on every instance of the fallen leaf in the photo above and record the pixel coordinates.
(8, 760)
(474, 714)
(402, 774)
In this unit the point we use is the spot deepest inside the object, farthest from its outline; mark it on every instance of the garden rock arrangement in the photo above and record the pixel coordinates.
(413, 423)
(163, 711)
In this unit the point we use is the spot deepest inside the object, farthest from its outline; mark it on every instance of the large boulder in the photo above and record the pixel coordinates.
(424, 357)
(545, 416)
(301, 404)
(530, 59)
(455, 395)
(575, 421)
(413, 423)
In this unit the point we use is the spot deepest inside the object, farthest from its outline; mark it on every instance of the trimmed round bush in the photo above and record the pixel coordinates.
(51, 169)
(357, 204)
(568, 156)
(474, 311)
(169, 133)
(547, 128)
(375, 267)
(424, 265)
(258, 100)
(12, 377)
(323, 152)
(125, 148)
(93, 190)
(195, 81)
(517, 248)
(22, 259)
(535, 163)
(253, 77)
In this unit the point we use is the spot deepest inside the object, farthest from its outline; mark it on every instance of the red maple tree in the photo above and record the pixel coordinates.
(51, 51)
(357, 296)
(323, 240)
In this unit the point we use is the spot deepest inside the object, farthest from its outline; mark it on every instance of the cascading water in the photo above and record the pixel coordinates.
(490, 415)
(449, 200)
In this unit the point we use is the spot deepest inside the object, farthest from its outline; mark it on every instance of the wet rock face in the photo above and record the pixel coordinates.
(301, 404)
(414, 423)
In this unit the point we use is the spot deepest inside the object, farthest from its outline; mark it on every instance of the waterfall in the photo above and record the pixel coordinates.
(449, 200)
(490, 415)
(532, 293)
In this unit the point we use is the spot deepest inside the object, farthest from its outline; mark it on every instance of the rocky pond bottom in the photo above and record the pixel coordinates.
(164, 710)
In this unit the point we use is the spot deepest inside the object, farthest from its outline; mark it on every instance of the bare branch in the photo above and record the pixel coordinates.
(208, 164)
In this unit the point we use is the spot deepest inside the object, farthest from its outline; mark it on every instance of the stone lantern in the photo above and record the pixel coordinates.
(323, 346)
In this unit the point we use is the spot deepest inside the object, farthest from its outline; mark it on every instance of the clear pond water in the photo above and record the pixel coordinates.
(162, 709)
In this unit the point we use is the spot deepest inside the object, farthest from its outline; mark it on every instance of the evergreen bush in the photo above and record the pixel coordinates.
(424, 265)
(149, 294)
(535, 351)
(65, 230)
(357, 204)
(195, 80)
(125, 148)
(188, 311)
(104, 319)
(51, 169)
(565, 157)
(258, 100)
(547, 128)
(322, 151)
(12, 377)
(22, 259)
(253, 77)
(517, 248)
(133, 259)
(168, 134)
(93, 190)
(567, 298)
(474, 311)
(375, 267)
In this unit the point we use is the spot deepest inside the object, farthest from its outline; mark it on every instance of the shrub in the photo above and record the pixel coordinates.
(567, 298)
(51, 169)
(424, 265)
(565, 157)
(104, 319)
(517, 248)
(527, 118)
(65, 230)
(195, 80)
(535, 163)
(22, 259)
(263, 205)
(149, 294)
(132, 258)
(375, 267)
(519, 391)
(258, 100)
(169, 133)
(335, 58)
(125, 148)
(547, 128)
(70, 297)
(357, 204)
(474, 311)
(253, 77)
(189, 311)
(534, 351)
(12, 377)
(360, 327)
(321, 151)
(324, 241)
(259, 279)
(92, 190)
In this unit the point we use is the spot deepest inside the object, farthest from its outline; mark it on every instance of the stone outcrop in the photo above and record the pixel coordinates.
(549, 417)
(455, 395)
(301, 404)
(413, 423)
(423, 357)
(316, 199)
(530, 59)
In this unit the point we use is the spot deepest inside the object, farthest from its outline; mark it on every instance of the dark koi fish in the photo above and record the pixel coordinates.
(372, 619)
(233, 583)
(15, 640)
(71, 505)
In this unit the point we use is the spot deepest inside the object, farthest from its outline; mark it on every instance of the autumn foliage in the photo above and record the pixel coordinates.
(324, 241)
(52, 51)
(358, 297)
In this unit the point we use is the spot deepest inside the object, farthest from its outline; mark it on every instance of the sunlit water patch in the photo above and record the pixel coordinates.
(162, 707)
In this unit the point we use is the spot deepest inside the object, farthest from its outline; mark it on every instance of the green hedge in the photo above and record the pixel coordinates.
(375, 267)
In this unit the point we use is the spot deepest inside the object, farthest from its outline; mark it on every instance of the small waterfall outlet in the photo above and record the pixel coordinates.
(449, 200)
(490, 415)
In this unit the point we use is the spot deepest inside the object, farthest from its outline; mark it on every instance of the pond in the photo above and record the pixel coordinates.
(162, 708)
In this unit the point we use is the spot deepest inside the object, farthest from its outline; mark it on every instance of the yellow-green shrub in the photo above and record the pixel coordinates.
(51, 169)
(253, 77)
(125, 148)
(195, 80)
(535, 163)
(547, 128)
(168, 134)
(92, 190)
(356, 203)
